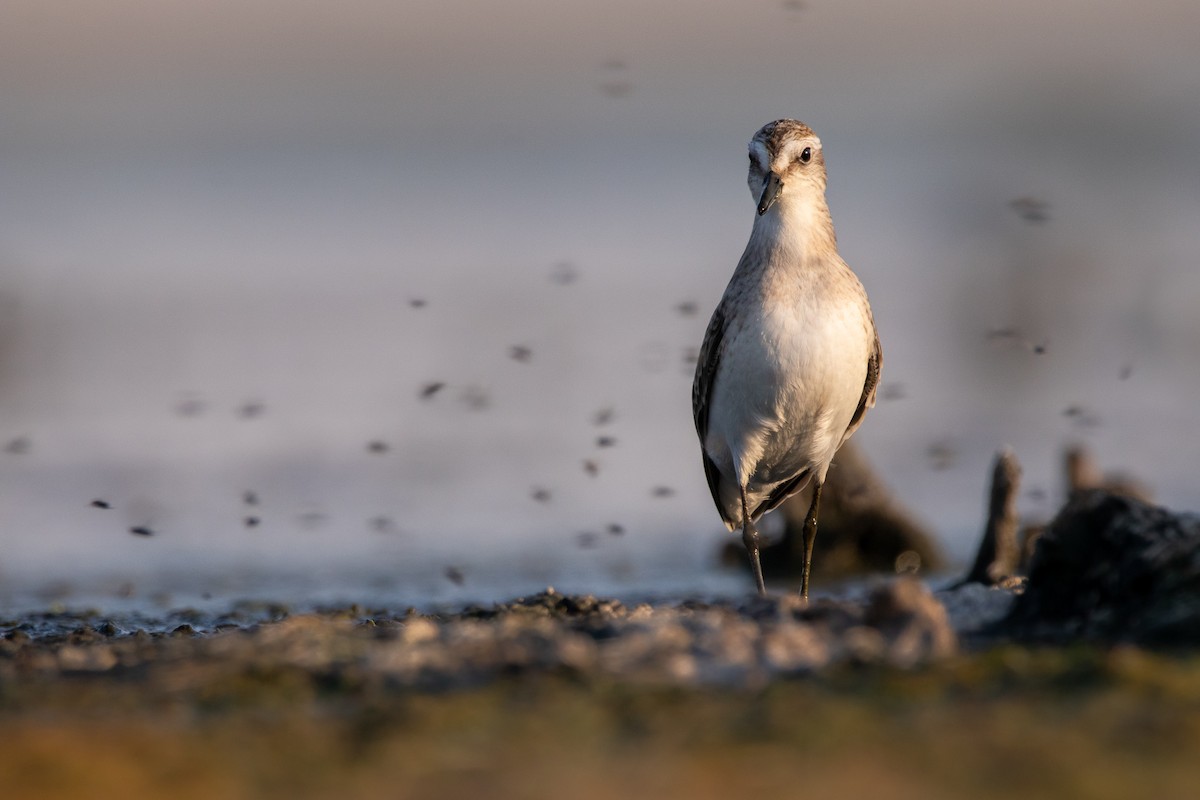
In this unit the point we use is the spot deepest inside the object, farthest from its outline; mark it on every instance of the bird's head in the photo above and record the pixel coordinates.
(786, 165)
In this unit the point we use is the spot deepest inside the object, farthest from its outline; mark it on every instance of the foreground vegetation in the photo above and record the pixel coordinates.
(1007, 722)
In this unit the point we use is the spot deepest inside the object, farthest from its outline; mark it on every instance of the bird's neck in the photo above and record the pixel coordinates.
(794, 234)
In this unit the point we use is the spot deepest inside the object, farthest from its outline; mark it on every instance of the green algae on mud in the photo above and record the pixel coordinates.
(1078, 722)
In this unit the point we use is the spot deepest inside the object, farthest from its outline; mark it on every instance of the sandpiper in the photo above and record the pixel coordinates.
(790, 361)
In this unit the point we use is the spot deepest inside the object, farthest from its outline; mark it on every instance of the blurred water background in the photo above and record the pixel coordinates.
(380, 300)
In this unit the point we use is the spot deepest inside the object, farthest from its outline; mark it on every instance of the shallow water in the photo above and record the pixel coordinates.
(246, 274)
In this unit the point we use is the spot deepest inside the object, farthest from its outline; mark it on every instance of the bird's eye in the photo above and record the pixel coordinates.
(752, 161)
(806, 155)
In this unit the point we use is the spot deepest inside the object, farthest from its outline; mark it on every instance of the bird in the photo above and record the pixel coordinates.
(791, 358)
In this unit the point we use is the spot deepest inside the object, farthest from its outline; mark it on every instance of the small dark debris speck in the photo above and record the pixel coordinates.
(606, 441)
(250, 498)
(476, 398)
(430, 389)
(18, 446)
(1031, 209)
(377, 447)
(251, 410)
(662, 491)
(1002, 333)
(97, 503)
(141, 530)
(190, 407)
(615, 530)
(455, 576)
(564, 273)
(1081, 416)
(540, 494)
(251, 522)
(591, 467)
(383, 524)
(942, 455)
(520, 353)
(587, 540)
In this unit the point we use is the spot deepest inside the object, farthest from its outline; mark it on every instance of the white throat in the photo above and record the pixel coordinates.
(794, 229)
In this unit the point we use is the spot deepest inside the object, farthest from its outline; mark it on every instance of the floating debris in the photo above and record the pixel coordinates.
(430, 389)
(98, 503)
(18, 446)
(687, 308)
(250, 498)
(606, 441)
(521, 353)
(377, 447)
(662, 491)
(591, 467)
(1031, 209)
(564, 273)
(540, 494)
(1013, 335)
(141, 530)
(476, 398)
(604, 416)
(252, 409)
(941, 454)
(251, 522)
(455, 576)
(1081, 416)
(383, 524)
(190, 406)
(587, 540)
(615, 84)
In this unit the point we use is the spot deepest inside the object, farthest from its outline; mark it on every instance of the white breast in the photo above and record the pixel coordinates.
(790, 377)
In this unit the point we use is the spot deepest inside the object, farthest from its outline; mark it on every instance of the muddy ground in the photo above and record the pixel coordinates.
(900, 694)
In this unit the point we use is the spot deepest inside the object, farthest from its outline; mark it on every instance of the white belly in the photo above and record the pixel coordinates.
(787, 385)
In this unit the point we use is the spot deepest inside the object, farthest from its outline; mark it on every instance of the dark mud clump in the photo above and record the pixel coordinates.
(1113, 569)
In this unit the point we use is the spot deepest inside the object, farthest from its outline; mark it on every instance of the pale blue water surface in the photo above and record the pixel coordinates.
(239, 241)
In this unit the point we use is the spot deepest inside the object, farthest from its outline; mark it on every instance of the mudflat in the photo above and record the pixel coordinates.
(556, 695)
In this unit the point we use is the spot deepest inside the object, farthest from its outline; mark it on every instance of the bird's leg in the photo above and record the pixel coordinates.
(810, 536)
(750, 539)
